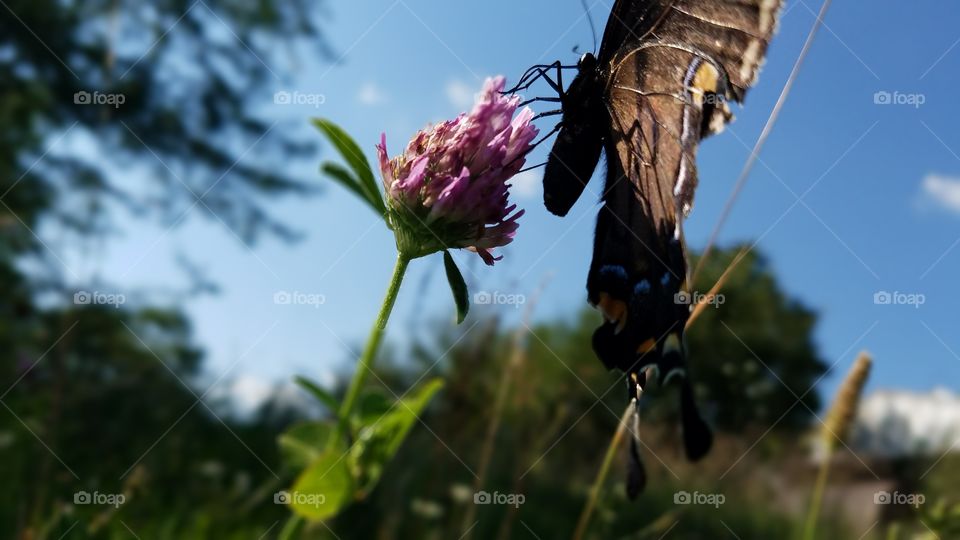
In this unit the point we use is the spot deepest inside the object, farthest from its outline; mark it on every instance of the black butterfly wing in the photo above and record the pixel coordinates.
(667, 87)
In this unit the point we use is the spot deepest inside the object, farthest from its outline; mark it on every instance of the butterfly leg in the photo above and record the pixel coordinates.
(537, 143)
(528, 73)
(528, 78)
(533, 74)
(540, 99)
(542, 72)
(548, 113)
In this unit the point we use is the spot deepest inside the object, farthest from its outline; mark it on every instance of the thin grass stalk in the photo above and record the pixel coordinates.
(537, 448)
(835, 430)
(816, 502)
(604, 471)
(698, 309)
(517, 357)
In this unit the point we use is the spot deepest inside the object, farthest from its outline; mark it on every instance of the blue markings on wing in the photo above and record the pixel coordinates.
(642, 288)
(611, 271)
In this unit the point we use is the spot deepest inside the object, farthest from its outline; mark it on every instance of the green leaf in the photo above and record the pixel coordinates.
(355, 158)
(323, 489)
(371, 406)
(343, 177)
(381, 436)
(303, 443)
(320, 393)
(458, 286)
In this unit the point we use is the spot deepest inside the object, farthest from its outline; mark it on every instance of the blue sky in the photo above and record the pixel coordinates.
(880, 187)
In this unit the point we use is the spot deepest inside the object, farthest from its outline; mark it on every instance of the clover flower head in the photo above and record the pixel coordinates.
(449, 188)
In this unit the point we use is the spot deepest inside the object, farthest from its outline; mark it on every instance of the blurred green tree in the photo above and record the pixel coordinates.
(103, 398)
(193, 75)
(754, 356)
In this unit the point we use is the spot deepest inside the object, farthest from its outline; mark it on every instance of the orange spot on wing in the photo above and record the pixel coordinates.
(613, 310)
(647, 346)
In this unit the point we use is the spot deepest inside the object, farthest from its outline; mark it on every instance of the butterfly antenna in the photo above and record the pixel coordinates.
(593, 29)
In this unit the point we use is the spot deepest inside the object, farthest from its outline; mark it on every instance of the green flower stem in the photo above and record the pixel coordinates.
(291, 528)
(810, 528)
(370, 350)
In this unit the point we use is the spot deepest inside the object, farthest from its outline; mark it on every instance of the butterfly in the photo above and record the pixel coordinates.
(661, 82)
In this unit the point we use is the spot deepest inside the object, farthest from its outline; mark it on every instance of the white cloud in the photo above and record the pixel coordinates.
(460, 94)
(245, 395)
(526, 185)
(943, 191)
(899, 422)
(371, 94)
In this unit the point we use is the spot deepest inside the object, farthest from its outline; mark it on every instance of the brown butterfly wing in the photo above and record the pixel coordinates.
(668, 84)
(667, 87)
(576, 150)
(734, 32)
(631, 21)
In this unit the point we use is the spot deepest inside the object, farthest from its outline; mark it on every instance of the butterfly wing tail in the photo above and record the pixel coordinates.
(636, 473)
(697, 435)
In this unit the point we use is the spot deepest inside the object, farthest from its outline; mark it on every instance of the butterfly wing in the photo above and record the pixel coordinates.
(678, 64)
(579, 143)
(630, 21)
(733, 32)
